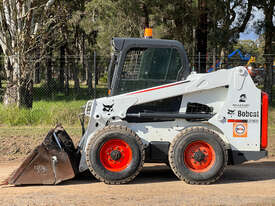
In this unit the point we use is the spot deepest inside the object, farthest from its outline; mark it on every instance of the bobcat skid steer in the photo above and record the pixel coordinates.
(158, 111)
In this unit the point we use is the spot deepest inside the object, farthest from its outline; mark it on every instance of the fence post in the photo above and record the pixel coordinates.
(214, 59)
(67, 70)
(89, 75)
(193, 48)
(199, 70)
(95, 74)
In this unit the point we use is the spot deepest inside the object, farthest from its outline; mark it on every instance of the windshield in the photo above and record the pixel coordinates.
(148, 67)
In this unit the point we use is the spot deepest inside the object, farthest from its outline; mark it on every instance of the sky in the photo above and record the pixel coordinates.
(249, 33)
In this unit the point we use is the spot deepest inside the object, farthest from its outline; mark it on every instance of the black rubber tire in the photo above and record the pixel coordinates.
(93, 155)
(176, 155)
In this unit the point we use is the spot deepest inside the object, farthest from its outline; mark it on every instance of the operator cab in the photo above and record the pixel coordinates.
(137, 64)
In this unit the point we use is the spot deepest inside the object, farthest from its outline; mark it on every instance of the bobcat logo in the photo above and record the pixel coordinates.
(230, 112)
(108, 108)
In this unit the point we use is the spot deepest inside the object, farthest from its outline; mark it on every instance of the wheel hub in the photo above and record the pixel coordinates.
(199, 156)
(115, 155)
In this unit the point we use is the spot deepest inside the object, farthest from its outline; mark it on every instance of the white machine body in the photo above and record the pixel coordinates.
(235, 100)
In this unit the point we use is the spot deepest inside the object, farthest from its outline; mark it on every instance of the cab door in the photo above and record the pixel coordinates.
(148, 67)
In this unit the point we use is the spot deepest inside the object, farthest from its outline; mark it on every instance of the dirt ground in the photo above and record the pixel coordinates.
(252, 183)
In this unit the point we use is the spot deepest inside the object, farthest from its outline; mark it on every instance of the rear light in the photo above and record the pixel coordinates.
(264, 120)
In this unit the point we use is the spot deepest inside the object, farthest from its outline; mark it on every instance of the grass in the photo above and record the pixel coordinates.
(42, 113)
(271, 126)
(271, 131)
(49, 109)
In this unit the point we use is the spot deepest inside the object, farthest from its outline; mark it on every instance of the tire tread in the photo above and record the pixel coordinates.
(115, 128)
(171, 155)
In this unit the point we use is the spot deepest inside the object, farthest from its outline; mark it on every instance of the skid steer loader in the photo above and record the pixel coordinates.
(158, 111)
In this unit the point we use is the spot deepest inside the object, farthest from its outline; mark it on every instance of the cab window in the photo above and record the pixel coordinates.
(148, 67)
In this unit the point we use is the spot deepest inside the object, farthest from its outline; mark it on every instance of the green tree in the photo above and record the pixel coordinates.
(113, 18)
(22, 26)
(227, 20)
(247, 47)
(268, 29)
(260, 42)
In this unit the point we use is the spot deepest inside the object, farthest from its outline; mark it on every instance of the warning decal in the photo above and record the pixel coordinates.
(239, 129)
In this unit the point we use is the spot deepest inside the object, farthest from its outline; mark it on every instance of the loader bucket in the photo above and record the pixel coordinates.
(52, 162)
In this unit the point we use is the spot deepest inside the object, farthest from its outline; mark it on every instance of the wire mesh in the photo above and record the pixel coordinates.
(73, 76)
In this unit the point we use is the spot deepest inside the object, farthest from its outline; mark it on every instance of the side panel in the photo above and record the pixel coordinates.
(167, 131)
(240, 116)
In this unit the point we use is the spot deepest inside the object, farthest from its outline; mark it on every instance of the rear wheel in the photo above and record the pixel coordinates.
(198, 156)
(115, 155)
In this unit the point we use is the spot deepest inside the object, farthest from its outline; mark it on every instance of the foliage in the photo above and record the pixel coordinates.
(228, 19)
(112, 18)
(104, 78)
(48, 110)
(24, 25)
(268, 26)
(252, 48)
(73, 30)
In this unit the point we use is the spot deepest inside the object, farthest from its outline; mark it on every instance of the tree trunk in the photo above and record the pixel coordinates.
(194, 49)
(25, 93)
(37, 79)
(67, 78)
(19, 21)
(75, 76)
(37, 73)
(82, 57)
(49, 79)
(10, 94)
(269, 29)
(146, 16)
(202, 35)
(90, 76)
(87, 69)
(19, 91)
(62, 66)
(67, 71)
(222, 59)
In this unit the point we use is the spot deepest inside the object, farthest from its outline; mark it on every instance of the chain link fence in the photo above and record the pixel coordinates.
(76, 76)
(71, 77)
(257, 66)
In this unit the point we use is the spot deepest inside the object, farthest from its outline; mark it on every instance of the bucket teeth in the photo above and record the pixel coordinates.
(52, 162)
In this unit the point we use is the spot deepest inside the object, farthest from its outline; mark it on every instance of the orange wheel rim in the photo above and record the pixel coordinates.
(115, 155)
(199, 156)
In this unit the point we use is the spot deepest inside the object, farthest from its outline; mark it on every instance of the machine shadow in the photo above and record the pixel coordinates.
(251, 171)
(149, 174)
(156, 173)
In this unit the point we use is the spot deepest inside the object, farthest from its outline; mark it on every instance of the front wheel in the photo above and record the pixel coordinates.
(198, 156)
(115, 155)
